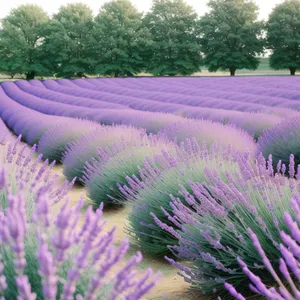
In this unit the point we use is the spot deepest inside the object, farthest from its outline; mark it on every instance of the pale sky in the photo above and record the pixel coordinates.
(51, 6)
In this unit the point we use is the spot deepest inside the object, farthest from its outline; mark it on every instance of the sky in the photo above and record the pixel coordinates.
(52, 6)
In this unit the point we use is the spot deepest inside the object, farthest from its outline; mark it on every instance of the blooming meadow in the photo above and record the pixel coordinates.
(207, 170)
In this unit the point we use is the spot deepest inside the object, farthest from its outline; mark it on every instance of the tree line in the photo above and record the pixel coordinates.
(171, 39)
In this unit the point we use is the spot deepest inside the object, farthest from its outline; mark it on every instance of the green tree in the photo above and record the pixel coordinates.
(68, 38)
(283, 36)
(120, 40)
(231, 38)
(175, 47)
(21, 40)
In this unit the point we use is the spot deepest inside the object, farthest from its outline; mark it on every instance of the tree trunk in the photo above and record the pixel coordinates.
(30, 75)
(232, 71)
(80, 75)
(293, 70)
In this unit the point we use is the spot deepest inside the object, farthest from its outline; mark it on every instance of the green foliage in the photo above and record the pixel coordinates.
(155, 195)
(231, 38)
(283, 36)
(68, 41)
(21, 40)
(119, 39)
(174, 47)
(211, 243)
(110, 169)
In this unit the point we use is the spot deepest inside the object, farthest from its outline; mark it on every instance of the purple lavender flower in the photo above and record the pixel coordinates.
(212, 231)
(43, 251)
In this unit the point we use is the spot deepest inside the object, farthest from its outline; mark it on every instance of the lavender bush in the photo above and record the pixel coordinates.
(85, 150)
(162, 176)
(44, 254)
(212, 231)
(53, 143)
(111, 166)
(204, 130)
(281, 141)
(285, 283)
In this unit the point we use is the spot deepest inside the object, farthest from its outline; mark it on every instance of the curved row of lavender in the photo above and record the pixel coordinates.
(152, 122)
(270, 86)
(78, 107)
(205, 88)
(37, 127)
(143, 100)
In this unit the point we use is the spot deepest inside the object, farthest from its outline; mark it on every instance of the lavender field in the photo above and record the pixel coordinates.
(199, 175)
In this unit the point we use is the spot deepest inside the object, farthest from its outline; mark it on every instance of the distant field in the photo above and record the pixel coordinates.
(263, 70)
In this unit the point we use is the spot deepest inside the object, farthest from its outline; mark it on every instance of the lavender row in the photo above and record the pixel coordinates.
(205, 89)
(205, 100)
(240, 119)
(151, 121)
(255, 97)
(239, 83)
(22, 120)
(27, 88)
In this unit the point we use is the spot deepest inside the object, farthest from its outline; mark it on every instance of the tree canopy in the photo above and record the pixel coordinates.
(120, 40)
(68, 41)
(283, 36)
(231, 36)
(169, 40)
(174, 47)
(21, 40)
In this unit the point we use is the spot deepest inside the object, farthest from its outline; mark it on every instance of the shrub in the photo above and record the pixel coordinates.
(160, 178)
(85, 149)
(54, 141)
(281, 141)
(288, 262)
(253, 123)
(48, 256)
(208, 131)
(111, 167)
(23, 165)
(213, 233)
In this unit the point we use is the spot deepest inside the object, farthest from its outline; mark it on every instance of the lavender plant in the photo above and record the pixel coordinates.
(44, 253)
(84, 150)
(212, 230)
(162, 176)
(281, 141)
(285, 283)
(111, 166)
(208, 131)
(54, 141)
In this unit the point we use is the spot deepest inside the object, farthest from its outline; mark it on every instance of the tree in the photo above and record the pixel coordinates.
(120, 40)
(68, 38)
(175, 47)
(21, 40)
(283, 36)
(231, 38)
